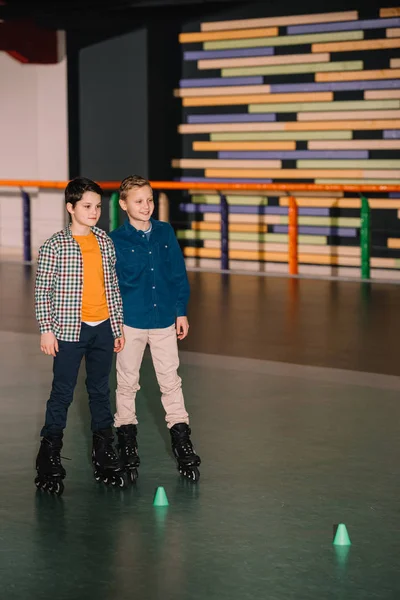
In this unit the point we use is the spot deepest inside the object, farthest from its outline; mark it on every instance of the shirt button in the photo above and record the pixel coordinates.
(142, 235)
(150, 252)
(151, 269)
(154, 287)
(155, 305)
(166, 245)
(133, 251)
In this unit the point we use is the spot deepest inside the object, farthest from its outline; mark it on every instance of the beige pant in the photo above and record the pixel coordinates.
(164, 351)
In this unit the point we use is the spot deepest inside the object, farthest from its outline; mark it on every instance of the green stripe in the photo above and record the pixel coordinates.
(281, 135)
(324, 106)
(354, 65)
(348, 164)
(189, 234)
(285, 40)
(344, 181)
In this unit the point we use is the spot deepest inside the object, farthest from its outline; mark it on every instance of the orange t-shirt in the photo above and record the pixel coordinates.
(94, 302)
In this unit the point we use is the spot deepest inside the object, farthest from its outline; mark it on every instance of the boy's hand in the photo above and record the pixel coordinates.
(182, 327)
(119, 344)
(49, 344)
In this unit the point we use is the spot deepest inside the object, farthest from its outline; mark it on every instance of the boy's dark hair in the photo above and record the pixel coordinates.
(130, 182)
(78, 186)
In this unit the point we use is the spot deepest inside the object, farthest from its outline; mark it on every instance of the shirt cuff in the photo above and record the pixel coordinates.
(181, 310)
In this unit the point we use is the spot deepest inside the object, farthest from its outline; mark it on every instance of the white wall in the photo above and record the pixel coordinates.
(33, 145)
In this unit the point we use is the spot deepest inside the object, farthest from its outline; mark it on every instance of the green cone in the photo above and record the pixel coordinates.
(342, 537)
(160, 498)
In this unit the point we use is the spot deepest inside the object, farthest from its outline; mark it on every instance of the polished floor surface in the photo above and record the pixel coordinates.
(293, 392)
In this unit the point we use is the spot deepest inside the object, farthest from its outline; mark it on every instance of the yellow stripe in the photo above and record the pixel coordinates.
(234, 34)
(208, 146)
(356, 46)
(288, 126)
(209, 163)
(281, 21)
(341, 125)
(358, 75)
(321, 67)
(259, 99)
(285, 59)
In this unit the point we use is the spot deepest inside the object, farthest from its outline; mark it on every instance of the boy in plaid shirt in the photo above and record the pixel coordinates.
(79, 310)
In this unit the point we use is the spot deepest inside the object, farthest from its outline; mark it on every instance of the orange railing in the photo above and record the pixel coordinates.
(288, 188)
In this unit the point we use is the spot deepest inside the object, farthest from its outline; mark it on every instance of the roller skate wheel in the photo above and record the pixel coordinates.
(133, 475)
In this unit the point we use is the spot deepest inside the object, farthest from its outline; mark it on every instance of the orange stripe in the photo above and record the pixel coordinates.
(341, 125)
(361, 45)
(230, 90)
(280, 21)
(235, 34)
(389, 12)
(358, 75)
(393, 32)
(394, 243)
(259, 99)
(289, 126)
(206, 146)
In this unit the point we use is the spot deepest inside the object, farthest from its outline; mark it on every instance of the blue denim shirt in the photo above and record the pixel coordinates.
(151, 274)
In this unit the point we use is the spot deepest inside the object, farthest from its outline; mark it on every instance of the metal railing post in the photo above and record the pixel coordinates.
(114, 211)
(163, 207)
(224, 233)
(26, 218)
(293, 230)
(365, 238)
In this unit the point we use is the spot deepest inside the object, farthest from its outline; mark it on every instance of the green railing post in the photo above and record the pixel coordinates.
(114, 211)
(365, 238)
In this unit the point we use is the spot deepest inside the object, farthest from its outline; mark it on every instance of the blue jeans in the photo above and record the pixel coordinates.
(96, 344)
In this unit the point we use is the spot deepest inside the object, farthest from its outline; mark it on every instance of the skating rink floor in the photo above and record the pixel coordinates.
(293, 392)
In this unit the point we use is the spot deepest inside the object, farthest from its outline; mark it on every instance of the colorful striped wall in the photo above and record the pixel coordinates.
(305, 98)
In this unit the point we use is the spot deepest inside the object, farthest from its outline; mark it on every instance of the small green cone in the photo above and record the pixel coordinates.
(160, 498)
(342, 537)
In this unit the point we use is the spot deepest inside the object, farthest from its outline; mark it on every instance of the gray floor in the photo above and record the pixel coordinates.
(288, 451)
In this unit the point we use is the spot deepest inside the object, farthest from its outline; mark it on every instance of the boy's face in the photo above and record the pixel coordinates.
(139, 203)
(86, 211)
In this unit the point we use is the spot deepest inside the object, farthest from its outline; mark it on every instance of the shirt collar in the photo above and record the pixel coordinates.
(130, 228)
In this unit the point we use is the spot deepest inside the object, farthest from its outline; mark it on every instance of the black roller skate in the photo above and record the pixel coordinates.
(106, 463)
(50, 472)
(128, 450)
(183, 450)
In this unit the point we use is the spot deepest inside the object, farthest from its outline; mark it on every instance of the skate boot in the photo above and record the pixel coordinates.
(106, 463)
(182, 447)
(50, 472)
(128, 450)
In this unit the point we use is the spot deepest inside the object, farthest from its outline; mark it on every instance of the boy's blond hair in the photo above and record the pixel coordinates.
(130, 182)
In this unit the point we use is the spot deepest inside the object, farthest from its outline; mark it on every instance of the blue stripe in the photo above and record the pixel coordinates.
(238, 53)
(253, 210)
(218, 81)
(391, 134)
(343, 26)
(294, 154)
(335, 86)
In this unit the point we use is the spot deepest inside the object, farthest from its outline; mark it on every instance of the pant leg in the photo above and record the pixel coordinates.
(129, 361)
(164, 351)
(99, 357)
(65, 372)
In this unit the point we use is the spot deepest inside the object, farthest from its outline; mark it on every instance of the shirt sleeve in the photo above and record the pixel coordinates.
(44, 287)
(115, 287)
(179, 275)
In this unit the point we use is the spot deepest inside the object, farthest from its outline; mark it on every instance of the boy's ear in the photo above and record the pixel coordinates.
(122, 204)
(69, 208)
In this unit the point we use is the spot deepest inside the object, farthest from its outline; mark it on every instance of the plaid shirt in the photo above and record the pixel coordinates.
(59, 285)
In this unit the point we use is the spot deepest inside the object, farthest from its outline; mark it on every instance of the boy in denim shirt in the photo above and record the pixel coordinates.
(155, 291)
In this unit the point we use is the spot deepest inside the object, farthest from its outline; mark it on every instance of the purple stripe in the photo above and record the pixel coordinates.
(394, 195)
(238, 53)
(343, 26)
(335, 86)
(217, 81)
(238, 118)
(306, 230)
(253, 210)
(223, 180)
(295, 154)
(391, 134)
